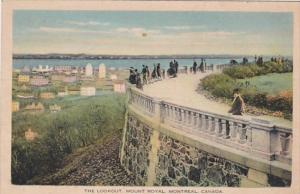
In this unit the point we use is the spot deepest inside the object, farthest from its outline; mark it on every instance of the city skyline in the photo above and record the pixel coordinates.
(152, 33)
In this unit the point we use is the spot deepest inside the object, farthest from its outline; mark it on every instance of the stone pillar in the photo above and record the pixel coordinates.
(157, 110)
(261, 140)
(254, 179)
(153, 158)
(102, 71)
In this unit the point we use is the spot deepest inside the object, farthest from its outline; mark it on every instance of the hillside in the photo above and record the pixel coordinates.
(97, 164)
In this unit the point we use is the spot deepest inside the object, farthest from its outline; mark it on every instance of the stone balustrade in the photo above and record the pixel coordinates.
(256, 137)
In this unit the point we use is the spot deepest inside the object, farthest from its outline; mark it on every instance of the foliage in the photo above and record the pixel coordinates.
(80, 124)
(251, 70)
(219, 85)
(222, 85)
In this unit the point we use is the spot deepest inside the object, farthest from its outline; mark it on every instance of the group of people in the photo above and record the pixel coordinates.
(200, 68)
(146, 76)
(173, 68)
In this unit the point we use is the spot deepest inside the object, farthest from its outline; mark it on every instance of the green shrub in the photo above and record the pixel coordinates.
(251, 70)
(239, 72)
(219, 85)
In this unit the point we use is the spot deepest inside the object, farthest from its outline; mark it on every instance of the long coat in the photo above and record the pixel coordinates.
(238, 106)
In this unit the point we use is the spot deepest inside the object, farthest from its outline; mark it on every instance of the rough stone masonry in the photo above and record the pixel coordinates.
(179, 164)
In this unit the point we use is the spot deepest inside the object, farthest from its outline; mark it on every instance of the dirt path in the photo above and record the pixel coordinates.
(183, 91)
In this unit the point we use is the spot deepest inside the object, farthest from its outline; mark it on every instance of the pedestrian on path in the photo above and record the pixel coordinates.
(238, 105)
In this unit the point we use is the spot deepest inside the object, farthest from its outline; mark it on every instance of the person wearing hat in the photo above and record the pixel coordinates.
(238, 105)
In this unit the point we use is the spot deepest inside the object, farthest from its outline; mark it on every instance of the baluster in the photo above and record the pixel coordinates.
(243, 131)
(224, 128)
(177, 115)
(285, 143)
(195, 120)
(232, 131)
(204, 124)
(173, 114)
(166, 111)
(200, 122)
(191, 119)
(170, 113)
(181, 114)
(249, 135)
(153, 107)
(183, 117)
(218, 128)
(212, 125)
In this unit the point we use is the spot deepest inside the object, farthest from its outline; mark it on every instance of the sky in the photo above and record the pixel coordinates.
(152, 32)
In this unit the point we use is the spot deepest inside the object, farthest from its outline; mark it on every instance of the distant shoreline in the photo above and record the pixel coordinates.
(121, 57)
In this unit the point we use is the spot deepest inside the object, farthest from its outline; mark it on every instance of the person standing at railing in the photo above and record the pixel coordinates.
(154, 73)
(201, 66)
(144, 72)
(238, 105)
(194, 67)
(176, 66)
(158, 71)
(139, 83)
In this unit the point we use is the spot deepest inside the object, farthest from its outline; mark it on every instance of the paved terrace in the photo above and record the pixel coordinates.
(182, 91)
(173, 107)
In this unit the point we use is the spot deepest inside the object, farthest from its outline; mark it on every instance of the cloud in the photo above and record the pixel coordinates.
(56, 30)
(183, 27)
(69, 30)
(88, 23)
(137, 31)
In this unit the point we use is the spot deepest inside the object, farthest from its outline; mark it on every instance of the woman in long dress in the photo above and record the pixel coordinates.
(238, 105)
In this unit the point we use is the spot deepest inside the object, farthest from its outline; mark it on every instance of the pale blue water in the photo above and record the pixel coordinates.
(115, 63)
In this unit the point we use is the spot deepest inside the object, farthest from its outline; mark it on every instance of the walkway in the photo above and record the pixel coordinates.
(182, 91)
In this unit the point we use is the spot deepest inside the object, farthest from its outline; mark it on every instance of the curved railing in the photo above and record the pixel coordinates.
(256, 137)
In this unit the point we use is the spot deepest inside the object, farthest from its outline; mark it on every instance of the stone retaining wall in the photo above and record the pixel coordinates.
(174, 163)
(181, 164)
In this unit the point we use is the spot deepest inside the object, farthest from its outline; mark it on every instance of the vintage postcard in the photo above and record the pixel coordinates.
(150, 97)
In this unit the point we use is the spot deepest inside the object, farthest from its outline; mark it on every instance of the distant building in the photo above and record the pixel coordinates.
(47, 95)
(102, 71)
(54, 108)
(57, 77)
(25, 70)
(70, 79)
(15, 106)
(87, 91)
(39, 81)
(30, 135)
(88, 70)
(119, 86)
(62, 68)
(41, 69)
(23, 78)
(113, 77)
(35, 107)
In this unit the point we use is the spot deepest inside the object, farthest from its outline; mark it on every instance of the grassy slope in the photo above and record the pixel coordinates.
(272, 83)
(97, 164)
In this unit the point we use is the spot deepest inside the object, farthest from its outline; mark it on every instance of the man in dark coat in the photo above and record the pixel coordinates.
(194, 67)
(139, 84)
(144, 72)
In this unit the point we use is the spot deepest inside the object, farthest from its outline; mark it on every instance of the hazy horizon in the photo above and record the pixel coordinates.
(152, 33)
